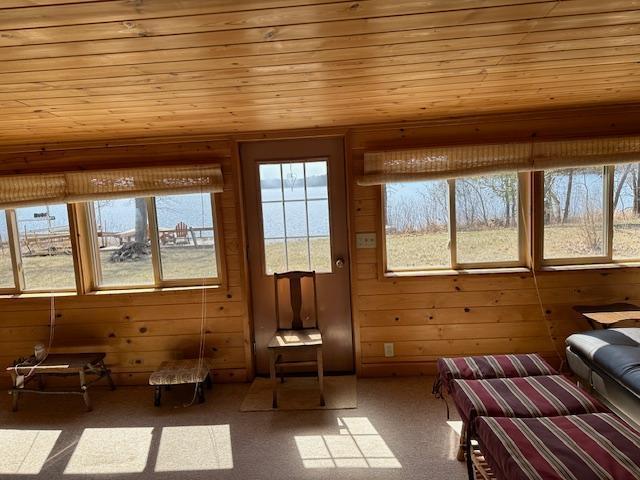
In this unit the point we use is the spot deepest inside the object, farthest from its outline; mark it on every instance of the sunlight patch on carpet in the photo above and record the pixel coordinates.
(357, 445)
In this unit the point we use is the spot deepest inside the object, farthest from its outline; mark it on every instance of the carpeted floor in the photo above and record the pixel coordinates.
(398, 431)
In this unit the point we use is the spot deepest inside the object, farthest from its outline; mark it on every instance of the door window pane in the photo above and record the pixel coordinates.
(186, 235)
(318, 218)
(296, 219)
(124, 249)
(295, 216)
(45, 247)
(320, 250)
(270, 182)
(417, 225)
(6, 268)
(626, 212)
(487, 219)
(574, 213)
(273, 219)
(316, 174)
(293, 181)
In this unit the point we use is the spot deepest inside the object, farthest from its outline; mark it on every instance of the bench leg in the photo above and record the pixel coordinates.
(85, 391)
(209, 382)
(15, 396)
(107, 373)
(200, 392)
(157, 395)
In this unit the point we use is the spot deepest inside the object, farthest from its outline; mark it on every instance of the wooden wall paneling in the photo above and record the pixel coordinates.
(138, 328)
(446, 315)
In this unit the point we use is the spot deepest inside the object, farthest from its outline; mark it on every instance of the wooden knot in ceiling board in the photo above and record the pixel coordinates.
(134, 28)
(269, 34)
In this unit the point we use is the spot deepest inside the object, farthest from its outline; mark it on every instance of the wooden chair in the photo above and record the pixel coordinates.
(297, 338)
(182, 231)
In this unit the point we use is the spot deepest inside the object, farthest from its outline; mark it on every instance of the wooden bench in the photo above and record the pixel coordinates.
(180, 372)
(61, 365)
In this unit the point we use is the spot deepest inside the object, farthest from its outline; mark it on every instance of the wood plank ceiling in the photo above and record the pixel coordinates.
(103, 69)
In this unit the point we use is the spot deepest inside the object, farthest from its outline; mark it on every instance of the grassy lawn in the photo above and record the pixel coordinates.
(429, 250)
(408, 251)
(177, 263)
(298, 252)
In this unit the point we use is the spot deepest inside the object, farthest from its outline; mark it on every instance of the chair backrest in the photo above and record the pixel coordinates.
(181, 229)
(295, 297)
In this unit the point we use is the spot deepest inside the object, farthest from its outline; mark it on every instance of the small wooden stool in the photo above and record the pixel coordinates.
(179, 372)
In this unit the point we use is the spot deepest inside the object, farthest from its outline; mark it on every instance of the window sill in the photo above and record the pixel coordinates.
(107, 292)
(126, 291)
(470, 271)
(38, 294)
(589, 266)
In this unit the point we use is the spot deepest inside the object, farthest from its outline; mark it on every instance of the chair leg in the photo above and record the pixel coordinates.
(274, 379)
(209, 382)
(320, 375)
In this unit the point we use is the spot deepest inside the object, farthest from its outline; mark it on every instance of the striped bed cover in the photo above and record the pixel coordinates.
(540, 396)
(594, 446)
(490, 366)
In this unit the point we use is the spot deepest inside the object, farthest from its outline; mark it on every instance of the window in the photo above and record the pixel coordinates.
(154, 241)
(626, 212)
(187, 237)
(464, 223)
(6, 266)
(294, 198)
(36, 254)
(487, 220)
(574, 213)
(123, 255)
(591, 215)
(417, 226)
(44, 245)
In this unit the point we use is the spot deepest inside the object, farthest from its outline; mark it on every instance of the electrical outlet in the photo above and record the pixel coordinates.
(365, 240)
(389, 350)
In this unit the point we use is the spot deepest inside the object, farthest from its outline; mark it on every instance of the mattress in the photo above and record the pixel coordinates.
(593, 446)
(491, 366)
(538, 396)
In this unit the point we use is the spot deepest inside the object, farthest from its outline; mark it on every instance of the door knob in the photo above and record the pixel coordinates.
(340, 262)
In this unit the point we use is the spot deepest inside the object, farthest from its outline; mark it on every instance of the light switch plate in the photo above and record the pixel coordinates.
(365, 240)
(389, 350)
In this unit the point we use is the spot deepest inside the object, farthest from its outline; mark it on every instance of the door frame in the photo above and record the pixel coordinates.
(237, 141)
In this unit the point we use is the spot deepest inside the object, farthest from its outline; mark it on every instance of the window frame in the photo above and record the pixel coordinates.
(263, 257)
(455, 266)
(154, 237)
(16, 257)
(608, 213)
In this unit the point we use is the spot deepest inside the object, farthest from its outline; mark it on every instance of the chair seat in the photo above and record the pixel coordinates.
(177, 372)
(307, 337)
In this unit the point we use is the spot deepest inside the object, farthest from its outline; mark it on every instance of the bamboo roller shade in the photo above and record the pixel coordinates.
(435, 163)
(83, 186)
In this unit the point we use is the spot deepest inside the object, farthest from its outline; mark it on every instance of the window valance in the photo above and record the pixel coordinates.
(436, 163)
(88, 185)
